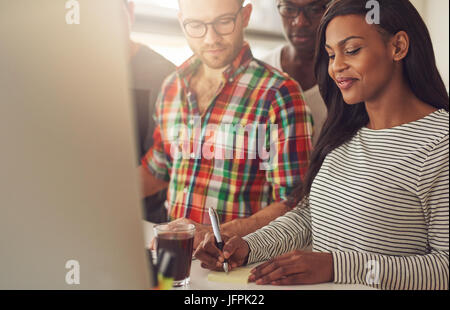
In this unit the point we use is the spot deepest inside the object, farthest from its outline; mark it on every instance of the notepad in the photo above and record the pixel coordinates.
(236, 276)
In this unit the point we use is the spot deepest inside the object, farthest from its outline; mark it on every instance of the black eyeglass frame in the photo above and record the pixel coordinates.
(213, 24)
(303, 9)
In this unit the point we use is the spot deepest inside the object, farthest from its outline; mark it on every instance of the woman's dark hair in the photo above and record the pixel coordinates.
(419, 67)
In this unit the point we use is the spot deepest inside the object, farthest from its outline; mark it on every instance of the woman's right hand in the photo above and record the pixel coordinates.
(235, 250)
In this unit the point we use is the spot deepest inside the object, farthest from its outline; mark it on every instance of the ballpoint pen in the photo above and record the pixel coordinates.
(215, 225)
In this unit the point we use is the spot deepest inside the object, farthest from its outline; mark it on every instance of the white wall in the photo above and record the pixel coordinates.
(436, 16)
(420, 6)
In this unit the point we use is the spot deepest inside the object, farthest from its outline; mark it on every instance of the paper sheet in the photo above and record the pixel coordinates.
(237, 276)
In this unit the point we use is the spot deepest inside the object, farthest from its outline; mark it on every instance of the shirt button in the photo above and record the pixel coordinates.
(231, 80)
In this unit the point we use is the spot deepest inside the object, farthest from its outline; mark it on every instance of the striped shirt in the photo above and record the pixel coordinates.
(380, 205)
(217, 159)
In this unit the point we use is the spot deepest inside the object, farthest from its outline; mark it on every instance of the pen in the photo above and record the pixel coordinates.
(215, 225)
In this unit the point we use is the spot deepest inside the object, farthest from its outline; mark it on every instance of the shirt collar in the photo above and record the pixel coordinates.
(239, 64)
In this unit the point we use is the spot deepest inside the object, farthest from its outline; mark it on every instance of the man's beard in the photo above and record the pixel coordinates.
(221, 60)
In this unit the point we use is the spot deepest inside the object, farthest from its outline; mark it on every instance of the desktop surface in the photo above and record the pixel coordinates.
(199, 277)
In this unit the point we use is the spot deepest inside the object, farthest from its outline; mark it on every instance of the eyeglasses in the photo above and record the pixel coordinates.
(222, 26)
(313, 10)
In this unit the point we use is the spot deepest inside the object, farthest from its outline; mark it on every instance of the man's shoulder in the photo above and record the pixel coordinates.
(275, 78)
(154, 58)
(148, 60)
(149, 69)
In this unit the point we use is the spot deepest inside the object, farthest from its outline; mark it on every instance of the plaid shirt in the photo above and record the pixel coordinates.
(211, 160)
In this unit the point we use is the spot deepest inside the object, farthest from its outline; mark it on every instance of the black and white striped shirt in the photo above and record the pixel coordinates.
(380, 205)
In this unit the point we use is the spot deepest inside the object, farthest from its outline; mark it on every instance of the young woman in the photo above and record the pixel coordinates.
(375, 203)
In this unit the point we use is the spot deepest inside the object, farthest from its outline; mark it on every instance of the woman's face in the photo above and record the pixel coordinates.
(360, 60)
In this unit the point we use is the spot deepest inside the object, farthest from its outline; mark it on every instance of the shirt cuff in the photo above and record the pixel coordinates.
(159, 171)
(254, 255)
(159, 175)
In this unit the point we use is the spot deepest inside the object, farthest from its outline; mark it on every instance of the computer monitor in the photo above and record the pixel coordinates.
(70, 208)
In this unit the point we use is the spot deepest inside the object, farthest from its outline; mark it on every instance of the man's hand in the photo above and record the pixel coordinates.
(200, 231)
(294, 268)
(235, 250)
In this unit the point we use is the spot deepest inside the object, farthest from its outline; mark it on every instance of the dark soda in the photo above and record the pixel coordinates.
(181, 245)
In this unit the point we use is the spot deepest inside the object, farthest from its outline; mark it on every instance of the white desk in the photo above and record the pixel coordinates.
(199, 278)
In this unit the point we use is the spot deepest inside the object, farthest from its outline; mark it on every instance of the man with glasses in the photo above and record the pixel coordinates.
(301, 20)
(223, 86)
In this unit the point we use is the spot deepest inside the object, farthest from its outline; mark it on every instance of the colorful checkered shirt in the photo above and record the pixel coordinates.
(224, 158)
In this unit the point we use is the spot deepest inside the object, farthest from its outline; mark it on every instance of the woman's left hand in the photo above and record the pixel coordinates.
(295, 268)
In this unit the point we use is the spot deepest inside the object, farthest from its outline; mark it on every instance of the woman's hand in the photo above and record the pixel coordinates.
(235, 251)
(295, 268)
